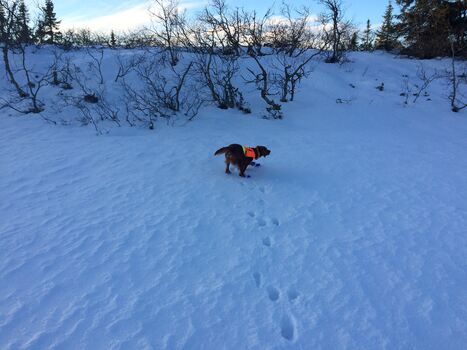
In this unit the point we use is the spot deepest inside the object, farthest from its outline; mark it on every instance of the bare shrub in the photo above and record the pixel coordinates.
(7, 41)
(127, 64)
(336, 29)
(163, 93)
(216, 67)
(458, 101)
(166, 27)
(295, 44)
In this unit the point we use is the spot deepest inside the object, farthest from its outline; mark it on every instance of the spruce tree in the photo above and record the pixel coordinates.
(48, 27)
(2, 23)
(113, 40)
(426, 25)
(386, 36)
(23, 32)
(367, 39)
(353, 46)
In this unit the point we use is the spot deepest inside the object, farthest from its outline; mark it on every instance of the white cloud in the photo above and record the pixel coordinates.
(277, 19)
(131, 18)
(123, 20)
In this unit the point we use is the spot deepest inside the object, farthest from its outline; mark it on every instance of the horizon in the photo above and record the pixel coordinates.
(133, 14)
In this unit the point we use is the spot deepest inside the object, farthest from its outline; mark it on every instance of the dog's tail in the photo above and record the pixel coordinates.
(221, 151)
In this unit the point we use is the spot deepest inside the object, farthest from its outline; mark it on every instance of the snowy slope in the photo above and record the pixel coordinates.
(352, 235)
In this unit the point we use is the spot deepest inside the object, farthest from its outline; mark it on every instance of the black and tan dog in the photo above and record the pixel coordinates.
(241, 156)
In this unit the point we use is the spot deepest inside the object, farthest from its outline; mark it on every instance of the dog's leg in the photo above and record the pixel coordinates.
(227, 167)
(242, 169)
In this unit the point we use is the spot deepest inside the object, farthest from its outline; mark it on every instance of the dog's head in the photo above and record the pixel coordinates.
(263, 151)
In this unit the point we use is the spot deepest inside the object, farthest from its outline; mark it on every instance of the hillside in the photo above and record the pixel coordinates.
(351, 235)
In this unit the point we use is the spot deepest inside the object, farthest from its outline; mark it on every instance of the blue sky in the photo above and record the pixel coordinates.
(127, 14)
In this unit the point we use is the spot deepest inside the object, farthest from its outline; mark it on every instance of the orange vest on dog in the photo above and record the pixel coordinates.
(249, 152)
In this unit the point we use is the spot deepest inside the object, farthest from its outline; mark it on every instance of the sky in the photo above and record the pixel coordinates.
(104, 15)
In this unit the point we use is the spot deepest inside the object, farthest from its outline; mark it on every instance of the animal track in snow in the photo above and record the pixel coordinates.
(287, 327)
(273, 293)
(293, 294)
(264, 221)
(267, 241)
(257, 277)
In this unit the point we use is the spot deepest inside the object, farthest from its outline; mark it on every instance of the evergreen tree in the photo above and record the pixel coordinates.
(353, 46)
(113, 40)
(367, 39)
(425, 26)
(386, 36)
(48, 26)
(22, 30)
(458, 25)
(2, 23)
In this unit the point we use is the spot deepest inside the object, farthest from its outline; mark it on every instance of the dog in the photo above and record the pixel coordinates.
(241, 156)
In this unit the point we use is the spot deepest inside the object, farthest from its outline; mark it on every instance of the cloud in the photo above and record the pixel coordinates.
(277, 19)
(126, 19)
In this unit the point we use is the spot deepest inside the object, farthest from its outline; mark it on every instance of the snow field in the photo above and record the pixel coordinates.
(351, 235)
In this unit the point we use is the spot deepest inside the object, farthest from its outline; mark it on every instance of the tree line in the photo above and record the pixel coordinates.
(421, 28)
(15, 24)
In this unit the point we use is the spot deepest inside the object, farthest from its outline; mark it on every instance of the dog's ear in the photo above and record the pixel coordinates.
(260, 151)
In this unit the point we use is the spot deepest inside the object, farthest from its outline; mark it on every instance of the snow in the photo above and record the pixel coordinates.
(351, 235)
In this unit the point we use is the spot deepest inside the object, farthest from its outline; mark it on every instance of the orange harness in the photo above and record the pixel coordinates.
(249, 152)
